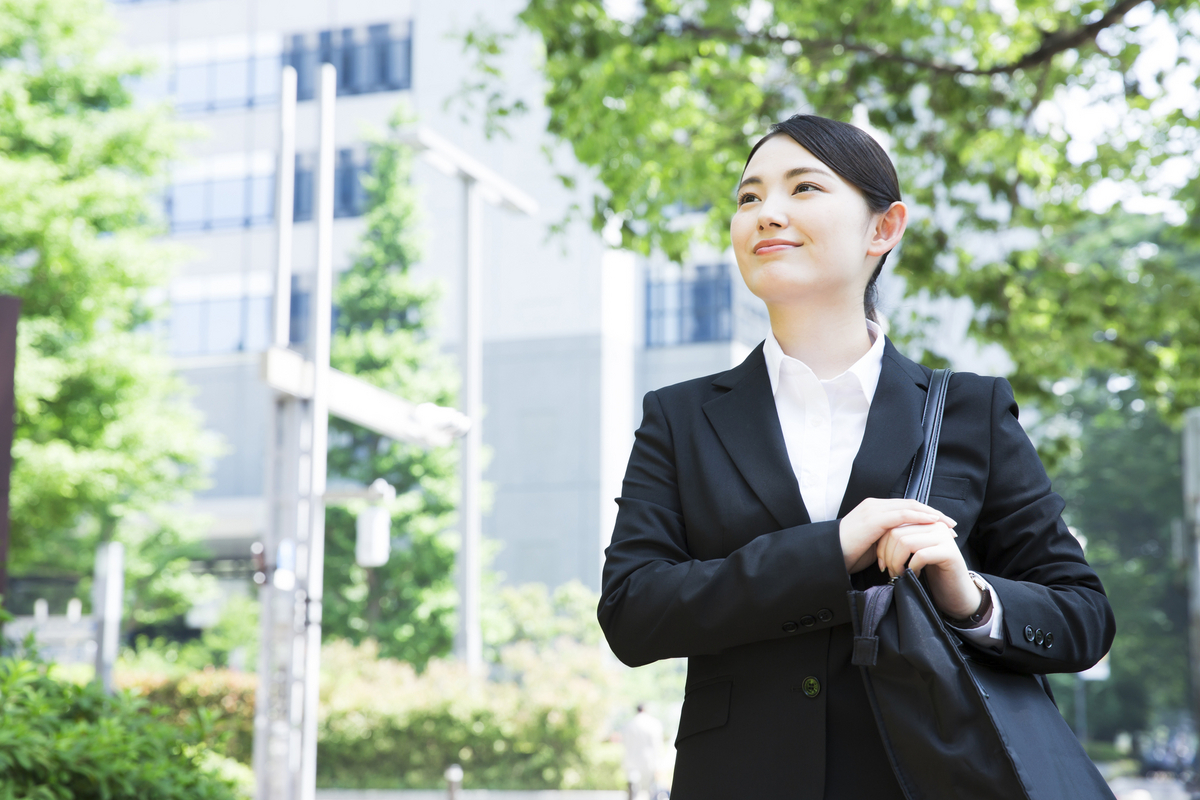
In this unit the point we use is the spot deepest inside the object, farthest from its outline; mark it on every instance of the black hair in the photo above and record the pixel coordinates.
(857, 158)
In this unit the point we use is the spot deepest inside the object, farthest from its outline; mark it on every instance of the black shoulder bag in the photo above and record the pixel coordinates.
(954, 726)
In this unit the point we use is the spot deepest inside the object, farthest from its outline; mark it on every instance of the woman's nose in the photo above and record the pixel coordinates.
(771, 213)
(771, 216)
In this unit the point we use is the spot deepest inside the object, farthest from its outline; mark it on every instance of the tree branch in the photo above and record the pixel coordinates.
(1052, 44)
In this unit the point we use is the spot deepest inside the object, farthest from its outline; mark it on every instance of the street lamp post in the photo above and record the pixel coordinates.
(479, 184)
(292, 554)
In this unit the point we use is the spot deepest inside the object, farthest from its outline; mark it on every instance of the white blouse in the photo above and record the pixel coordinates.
(823, 423)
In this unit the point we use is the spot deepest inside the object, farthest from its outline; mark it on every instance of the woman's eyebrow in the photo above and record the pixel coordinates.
(791, 173)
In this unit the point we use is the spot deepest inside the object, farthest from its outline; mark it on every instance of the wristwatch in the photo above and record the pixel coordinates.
(985, 605)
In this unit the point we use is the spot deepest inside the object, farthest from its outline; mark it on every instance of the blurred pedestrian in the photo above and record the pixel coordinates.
(643, 738)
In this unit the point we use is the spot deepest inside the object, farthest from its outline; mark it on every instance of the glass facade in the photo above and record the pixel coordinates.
(246, 201)
(377, 58)
(686, 311)
(237, 202)
(236, 83)
(219, 325)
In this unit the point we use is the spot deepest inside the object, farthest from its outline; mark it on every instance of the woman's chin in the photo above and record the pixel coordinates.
(793, 290)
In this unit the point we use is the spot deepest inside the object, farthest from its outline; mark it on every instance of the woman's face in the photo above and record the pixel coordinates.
(801, 234)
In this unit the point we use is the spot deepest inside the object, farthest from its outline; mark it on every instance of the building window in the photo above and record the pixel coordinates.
(219, 325)
(349, 197)
(216, 74)
(298, 322)
(198, 203)
(690, 310)
(238, 202)
(244, 79)
(375, 59)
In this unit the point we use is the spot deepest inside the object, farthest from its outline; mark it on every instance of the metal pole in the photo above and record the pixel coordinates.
(1191, 509)
(285, 209)
(273, 698)
(10, 311)
(470, 565)
(312, 581)
(108, 595)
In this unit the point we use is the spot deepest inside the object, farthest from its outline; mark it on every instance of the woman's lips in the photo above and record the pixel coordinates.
(774, 248)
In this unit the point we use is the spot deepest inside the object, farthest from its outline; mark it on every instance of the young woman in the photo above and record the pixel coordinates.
(756, 498)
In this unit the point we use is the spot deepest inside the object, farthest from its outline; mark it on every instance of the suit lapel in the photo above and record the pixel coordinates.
(893, 431)
(747, 424)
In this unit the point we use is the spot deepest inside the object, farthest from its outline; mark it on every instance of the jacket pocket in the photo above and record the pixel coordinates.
(704, 708)
(945, 486)
(950, 488)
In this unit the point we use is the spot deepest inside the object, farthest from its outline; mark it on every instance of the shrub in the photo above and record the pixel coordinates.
(538, 727)
(223, 698)
(63, 741)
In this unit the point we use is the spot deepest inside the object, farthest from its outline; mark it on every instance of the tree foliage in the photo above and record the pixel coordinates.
(975, 101)
(383, 318)
(104, 436)
(1122, 487)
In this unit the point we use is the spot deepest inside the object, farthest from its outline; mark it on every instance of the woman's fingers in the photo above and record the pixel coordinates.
(938, 555)
(873, 518)
(895, 549)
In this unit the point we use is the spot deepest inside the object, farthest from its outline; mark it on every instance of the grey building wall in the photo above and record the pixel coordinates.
(542, 430)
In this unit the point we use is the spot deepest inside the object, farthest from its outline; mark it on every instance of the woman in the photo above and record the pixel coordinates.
(756, 498)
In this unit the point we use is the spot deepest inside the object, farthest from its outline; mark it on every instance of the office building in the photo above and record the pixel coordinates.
(574, 332)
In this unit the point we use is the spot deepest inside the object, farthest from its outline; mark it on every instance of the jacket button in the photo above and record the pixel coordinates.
(807, 621)
(1029, 633)
(790, 627)
(1038, 636)
(824, 615)
(811, 686)
(1049, 640)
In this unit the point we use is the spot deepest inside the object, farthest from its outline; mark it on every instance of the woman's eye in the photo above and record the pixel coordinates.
(805, 187)
(746, 198)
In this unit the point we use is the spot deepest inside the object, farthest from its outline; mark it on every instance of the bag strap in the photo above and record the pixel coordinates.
(920, 481)
(920, 477)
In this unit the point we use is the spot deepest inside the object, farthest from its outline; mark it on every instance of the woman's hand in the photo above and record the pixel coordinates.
(932, 545)
(874, 517)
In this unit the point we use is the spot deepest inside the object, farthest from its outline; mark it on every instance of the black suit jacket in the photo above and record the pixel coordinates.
(714, 558)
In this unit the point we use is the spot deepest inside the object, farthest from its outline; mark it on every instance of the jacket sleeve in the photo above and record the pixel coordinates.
(1056, 615)
(657, 601)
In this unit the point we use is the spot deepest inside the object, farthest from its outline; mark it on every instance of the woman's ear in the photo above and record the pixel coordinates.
(888, 228)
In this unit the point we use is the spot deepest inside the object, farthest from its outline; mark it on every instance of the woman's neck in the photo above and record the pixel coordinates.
(828, 340)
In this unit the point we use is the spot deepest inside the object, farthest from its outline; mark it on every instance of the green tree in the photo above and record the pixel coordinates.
(662, 107)
(105, 438)
(1122, 487)
(382, 336)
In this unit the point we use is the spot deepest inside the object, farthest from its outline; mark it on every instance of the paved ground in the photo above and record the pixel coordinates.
(1148, 789)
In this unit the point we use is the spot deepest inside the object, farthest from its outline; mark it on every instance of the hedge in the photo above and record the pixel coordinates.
(224, 697)
(63, 741)
(536, 723)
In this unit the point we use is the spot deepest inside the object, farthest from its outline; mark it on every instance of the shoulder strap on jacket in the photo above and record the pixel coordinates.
(920, 477)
